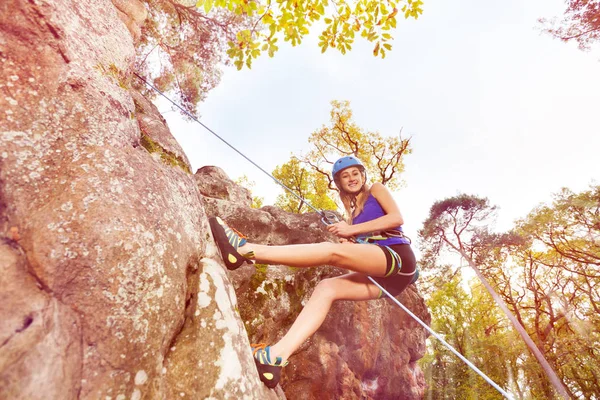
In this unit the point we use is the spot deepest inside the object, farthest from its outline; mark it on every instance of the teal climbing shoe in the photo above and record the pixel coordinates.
(228, 240)
(269, 372)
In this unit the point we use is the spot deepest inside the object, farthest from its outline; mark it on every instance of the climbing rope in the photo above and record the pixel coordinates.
(226, 142)
(328, 218)
(438, 337)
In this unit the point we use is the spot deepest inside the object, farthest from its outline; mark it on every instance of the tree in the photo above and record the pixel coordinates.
(372, 19)
(581, 23)
(469, 321)
(552, 284)
(188, 42)
(459, 225)
(310, 186)
(181, 49)
(560, 310)
(383, 157)
(570, 227)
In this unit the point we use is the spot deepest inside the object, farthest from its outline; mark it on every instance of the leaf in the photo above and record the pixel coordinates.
(208, 5)
(238, 32)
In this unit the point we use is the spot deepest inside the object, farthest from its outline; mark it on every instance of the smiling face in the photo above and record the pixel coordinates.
(351, 180)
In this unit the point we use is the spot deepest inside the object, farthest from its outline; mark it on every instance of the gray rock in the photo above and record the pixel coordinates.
(109, 282)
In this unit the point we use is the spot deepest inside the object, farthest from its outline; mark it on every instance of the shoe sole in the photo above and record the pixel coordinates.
(269, 374)
(231, 258)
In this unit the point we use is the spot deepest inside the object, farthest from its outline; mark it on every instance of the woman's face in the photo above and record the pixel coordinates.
(351, 180)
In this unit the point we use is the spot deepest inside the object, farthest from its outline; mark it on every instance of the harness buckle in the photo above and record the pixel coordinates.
(373, 237)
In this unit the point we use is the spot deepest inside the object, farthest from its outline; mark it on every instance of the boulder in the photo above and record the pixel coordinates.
(363, 350)
(110, 284)
(213, 182)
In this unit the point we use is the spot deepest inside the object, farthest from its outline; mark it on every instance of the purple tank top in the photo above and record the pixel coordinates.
(371, 211)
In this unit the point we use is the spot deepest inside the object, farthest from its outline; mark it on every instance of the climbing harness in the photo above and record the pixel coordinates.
(374, 237)
(328, 218)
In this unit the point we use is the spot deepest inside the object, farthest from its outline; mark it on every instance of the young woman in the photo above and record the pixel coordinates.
(371, 244)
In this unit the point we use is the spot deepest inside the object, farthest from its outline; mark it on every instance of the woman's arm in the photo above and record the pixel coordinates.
(391, 219)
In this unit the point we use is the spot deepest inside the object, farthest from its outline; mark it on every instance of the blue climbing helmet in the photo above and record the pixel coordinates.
(346, 162)
(342, 164)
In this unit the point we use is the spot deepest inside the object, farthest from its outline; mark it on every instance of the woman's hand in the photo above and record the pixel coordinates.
(341, 229)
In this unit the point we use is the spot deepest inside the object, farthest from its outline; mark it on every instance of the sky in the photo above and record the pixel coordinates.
(493, 107)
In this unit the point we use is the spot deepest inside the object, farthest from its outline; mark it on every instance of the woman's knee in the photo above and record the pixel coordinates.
(337, 254)
(326, 289)
(331, 252)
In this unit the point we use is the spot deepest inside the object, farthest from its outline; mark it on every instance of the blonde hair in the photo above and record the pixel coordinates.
(354, 203)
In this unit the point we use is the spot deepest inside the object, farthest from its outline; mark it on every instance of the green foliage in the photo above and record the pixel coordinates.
(311, 186)
(383, 157)
(469, 321)
(459, 225)
(258, 277)
(554, 285)
(570, 226)
(257, 202)
(291, 20)
(310, 174)
(187, 44)
(545, 271)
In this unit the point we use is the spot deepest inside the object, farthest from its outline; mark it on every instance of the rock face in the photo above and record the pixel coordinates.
(365, 350)
(109, 282)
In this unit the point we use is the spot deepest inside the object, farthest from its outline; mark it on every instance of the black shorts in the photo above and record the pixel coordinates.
(401, 269)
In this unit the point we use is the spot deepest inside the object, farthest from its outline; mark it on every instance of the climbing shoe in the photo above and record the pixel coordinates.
(269, 372)
(228, 240)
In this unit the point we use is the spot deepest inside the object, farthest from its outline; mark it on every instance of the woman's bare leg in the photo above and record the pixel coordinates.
(352, 286)
(365, 258)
